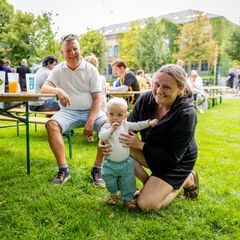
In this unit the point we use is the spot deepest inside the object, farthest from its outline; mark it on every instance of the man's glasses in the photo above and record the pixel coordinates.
(68, 37)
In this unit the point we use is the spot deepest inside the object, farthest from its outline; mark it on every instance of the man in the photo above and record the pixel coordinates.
(22, 70)
(230, 78)
(76, 84)
(42, 74)
(126, 78)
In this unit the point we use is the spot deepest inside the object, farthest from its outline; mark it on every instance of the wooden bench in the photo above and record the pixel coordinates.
(215, 94)
(36, 120)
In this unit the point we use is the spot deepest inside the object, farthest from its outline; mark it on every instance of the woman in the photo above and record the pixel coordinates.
(167, 149)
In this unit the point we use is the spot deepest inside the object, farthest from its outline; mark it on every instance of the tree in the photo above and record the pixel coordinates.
(93, 42)
(6, 14)
(45, 43)
(195, 42)
(171, 33)
(19, 34)
(128, 45)
(233, 49)
(29, 37)
(149, 50)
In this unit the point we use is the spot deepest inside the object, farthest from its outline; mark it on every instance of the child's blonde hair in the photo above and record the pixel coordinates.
(117, 101)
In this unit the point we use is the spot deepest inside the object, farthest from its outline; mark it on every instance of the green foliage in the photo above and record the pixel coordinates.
(93, 42)
(32, 209)
(150, 46)
(196, 43)
(19, 34)
(171, 32)
(233, 48)
(6, 14)
(45, 42)
(128, 43)
(24, 36)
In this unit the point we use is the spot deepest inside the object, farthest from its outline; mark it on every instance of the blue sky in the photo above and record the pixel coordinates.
(75, 16)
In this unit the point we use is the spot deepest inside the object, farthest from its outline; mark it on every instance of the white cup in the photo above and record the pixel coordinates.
(31, 82)
(13, 82)
(2, 81)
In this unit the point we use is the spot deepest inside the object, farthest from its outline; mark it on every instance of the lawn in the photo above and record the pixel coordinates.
(30, 208)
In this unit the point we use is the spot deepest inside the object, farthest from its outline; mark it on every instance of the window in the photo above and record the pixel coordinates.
(109, 69)
(204, 66)
(115, 51)
(110, 52)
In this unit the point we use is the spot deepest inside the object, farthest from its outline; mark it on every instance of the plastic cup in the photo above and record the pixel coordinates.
(31, 82)
(2, 81)
(13, 82)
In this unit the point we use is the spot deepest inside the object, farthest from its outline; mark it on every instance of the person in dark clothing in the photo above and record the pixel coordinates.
(4, 67)
(22, 70)
(126, 78)
(168, 149)
(230, 78)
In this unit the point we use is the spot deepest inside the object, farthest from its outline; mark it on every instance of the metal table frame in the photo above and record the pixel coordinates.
(21, 99)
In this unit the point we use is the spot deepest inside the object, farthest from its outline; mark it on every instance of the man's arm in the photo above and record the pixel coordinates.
(49, 87)
(95, 109)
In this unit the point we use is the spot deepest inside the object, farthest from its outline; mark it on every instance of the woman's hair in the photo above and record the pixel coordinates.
(178, 73)
(117, 101)
(92, 59)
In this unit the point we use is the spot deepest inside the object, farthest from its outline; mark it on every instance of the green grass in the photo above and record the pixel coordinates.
(30, 208)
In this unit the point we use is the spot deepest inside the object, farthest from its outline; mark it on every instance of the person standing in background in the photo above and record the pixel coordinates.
(230, 78)
(4, 67)
(142, 81)
(22, 70)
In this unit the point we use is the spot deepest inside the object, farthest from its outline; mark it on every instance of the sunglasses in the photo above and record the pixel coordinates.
(68, 37)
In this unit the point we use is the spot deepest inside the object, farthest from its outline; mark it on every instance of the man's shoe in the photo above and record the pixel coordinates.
(61, 177)
(97, 177)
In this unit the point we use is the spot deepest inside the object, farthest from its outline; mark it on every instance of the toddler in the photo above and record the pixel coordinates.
(118, 170)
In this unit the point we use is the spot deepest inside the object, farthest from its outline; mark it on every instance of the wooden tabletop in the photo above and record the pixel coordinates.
(125, 94)
(215, 88)
(23, 97)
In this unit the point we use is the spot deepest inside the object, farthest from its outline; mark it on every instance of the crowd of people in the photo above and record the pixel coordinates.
(164, 114)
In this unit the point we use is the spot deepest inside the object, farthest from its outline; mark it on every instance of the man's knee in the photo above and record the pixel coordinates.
(52, 125)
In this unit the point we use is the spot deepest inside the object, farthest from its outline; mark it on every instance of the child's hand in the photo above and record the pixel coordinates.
(115, 125)
(153, 122)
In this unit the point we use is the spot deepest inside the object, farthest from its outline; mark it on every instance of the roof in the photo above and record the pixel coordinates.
(177, 17)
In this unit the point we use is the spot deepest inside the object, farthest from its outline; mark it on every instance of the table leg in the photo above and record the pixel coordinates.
(27, 139)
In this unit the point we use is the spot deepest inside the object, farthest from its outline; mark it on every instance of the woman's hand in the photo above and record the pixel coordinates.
(131, 140)
(105, 147)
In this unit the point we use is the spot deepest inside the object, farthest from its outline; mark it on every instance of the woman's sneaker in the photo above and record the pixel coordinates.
(61, 177)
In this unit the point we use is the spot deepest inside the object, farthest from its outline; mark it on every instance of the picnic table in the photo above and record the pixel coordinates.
(214, 93)
(17, 100)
